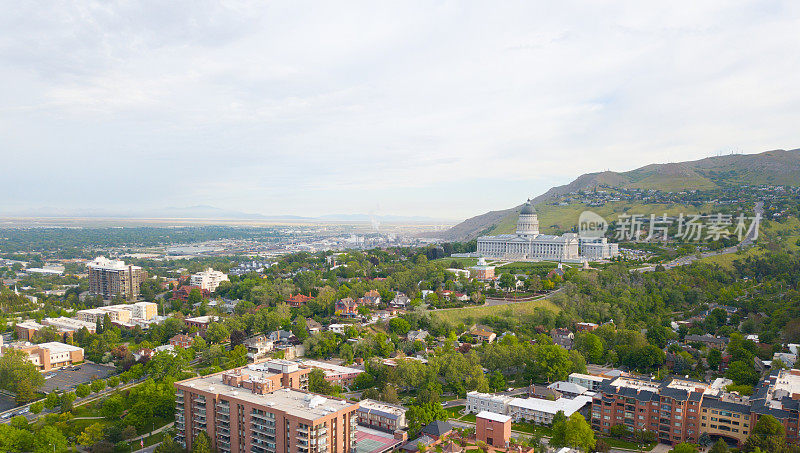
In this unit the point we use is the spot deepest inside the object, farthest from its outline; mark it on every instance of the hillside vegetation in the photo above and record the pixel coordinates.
(777, 167)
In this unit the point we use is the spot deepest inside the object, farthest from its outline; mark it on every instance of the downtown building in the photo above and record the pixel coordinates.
(109, 278)
(681, 410)
(263, 408)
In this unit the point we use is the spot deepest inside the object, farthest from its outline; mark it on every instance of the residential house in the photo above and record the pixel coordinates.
(415, 335)
(562, 337)
(709, 341)
(183, 292)
(483, 335)
(181, 341)
(400, 301)
(313, 326)
(347, 307)
(297, 300)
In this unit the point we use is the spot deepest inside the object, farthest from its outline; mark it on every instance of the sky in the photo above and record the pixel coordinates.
(442, 109)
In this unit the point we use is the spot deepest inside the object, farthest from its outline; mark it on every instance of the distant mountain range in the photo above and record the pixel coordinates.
(778, 167)
(212, 213)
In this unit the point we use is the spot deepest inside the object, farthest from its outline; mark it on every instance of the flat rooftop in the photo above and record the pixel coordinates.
(55, 346)
(301, 404)
(329, 367)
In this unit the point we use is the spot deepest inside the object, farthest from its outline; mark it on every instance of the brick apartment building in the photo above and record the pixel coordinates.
(264, 408)
(680, 410)
(109, 278)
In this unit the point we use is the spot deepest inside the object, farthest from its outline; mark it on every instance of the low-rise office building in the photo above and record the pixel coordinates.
(49, 356)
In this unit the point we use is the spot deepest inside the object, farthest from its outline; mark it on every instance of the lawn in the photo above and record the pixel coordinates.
(530, 428)
(468, 315)
(618, 443)
(455, 411)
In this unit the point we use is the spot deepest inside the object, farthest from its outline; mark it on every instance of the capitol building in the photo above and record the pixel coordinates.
(529, 244)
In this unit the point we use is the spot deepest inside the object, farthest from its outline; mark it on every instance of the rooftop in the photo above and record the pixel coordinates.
(494, 417)
(304, 405)
(104, 263)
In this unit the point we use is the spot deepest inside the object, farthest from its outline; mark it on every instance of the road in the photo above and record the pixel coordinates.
(758, 209)
(78, 402)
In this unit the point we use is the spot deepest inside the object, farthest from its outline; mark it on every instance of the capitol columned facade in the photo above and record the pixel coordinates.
(529, 244)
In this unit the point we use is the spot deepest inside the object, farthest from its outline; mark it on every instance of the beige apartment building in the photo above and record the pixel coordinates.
(109, 278)
(262, 408)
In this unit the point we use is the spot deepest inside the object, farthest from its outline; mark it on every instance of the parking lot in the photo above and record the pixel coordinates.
(7, 402)
(71, 377)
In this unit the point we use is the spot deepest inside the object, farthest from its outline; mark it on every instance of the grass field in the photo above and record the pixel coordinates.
(460, 315)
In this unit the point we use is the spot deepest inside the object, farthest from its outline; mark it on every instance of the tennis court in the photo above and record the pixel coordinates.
(373, 441)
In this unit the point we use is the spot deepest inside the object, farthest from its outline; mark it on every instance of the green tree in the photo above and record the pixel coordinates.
(719, 447)
(660, 335)
(768, 435)
(37, 407)
(714, 359)
(19, 375)
(92, 434)
(52, 400)
(591, 346)
(420, 415)
(202, 443)
(399, 326)
(508, 281)
(317, 382)
(548, 363)
(67, 398)
(98, 385)
(83, 390)
(300, 329)
(49, 439)
(217, 333)
(684, 448)
(573, 432)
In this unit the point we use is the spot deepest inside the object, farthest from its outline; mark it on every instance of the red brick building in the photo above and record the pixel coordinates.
(492, 428)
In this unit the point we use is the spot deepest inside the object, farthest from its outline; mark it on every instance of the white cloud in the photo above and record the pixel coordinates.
(446, 108)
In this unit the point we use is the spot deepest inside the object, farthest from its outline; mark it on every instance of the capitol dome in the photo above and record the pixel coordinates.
(527, 208)
(528, 223)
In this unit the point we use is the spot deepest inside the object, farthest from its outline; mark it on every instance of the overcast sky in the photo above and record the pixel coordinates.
(443, 109)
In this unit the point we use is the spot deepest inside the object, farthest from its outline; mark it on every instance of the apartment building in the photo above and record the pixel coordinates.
(589, 381)
(335, 374)
(109, 278)
(143, 310)
(201, 323)
(250, 409)
(381, 416)
(115, 314)
(49, 356)
(65, 327)
(478, 402)
(535, 410)
(680, 410)
(209, 279)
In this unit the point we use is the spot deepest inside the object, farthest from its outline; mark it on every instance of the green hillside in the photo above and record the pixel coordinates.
(558, 219)
(719, 173)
